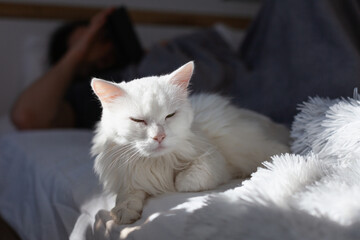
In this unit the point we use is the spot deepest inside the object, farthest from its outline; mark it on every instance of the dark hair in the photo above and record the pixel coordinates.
(58, 44)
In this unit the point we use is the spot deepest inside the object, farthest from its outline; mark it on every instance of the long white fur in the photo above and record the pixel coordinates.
(310, 196)
(208, 141)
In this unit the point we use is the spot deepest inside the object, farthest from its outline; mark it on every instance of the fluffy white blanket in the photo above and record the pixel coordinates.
(313, 194)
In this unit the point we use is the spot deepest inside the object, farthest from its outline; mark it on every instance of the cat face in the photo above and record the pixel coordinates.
(151, 116)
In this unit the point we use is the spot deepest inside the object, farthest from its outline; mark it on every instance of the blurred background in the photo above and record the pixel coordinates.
(25, 27)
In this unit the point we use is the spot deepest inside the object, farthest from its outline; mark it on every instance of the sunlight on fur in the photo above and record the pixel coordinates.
(126, 231)
(192, 204)
(155, 138)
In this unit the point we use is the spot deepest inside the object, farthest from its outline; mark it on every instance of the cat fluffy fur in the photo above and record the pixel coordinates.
(207, 141)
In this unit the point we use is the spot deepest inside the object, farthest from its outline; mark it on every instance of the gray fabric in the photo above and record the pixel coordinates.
(216, 64)
(297, 49)
(294, 49)
(215, 61)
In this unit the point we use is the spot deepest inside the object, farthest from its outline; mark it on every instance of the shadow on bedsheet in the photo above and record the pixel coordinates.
(167, 221)
(258, 221)
(215, 217)
(52, 178)
(62, 197)
(163, 217)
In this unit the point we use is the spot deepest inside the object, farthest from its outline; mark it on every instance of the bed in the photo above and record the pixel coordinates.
(59, 196)
(312, 195)
(48, 189)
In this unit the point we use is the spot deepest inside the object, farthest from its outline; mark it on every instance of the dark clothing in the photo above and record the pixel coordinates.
(213, 71)
(293, 50)
(296, 49)
(85, 104)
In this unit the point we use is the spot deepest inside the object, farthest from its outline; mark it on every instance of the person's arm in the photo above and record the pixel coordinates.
(42, 105)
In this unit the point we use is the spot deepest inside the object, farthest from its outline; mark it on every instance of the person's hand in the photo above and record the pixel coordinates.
(86, 43)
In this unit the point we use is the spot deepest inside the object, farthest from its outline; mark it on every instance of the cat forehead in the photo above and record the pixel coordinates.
(151, 88)
(153, 95)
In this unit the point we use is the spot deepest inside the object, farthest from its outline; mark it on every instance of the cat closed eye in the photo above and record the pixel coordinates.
(170, 115)
(138, 120)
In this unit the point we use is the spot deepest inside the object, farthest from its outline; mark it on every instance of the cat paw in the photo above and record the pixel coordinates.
(123, 215)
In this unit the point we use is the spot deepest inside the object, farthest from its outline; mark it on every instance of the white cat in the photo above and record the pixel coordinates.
(153, 138)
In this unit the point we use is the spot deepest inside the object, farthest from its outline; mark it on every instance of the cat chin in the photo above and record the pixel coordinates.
(156, 152)
(161, 152)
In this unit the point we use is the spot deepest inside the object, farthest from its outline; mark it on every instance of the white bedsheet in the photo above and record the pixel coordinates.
(48, 190)
(44, 178)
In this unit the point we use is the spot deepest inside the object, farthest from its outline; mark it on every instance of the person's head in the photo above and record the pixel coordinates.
(58, 44)
(100, 53)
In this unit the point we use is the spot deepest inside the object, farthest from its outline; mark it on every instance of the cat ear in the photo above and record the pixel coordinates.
(106, 91)
(182, 75)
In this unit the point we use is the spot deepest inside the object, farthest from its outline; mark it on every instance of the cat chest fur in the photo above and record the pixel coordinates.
(152, 175)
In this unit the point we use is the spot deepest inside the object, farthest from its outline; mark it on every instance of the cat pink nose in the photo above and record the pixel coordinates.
(160, 137)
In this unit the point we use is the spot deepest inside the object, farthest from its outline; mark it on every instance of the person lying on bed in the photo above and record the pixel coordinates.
(43, 105)
(281, 62)
(63, 96)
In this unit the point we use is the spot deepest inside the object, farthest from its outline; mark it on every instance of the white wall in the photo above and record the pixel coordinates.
(22, 44)
(14, 35)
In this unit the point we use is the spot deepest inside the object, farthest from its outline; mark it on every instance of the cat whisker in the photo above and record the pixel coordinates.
(130, 153)
(125, 155)
(133, 158)
(115, 151)
(124, 150)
